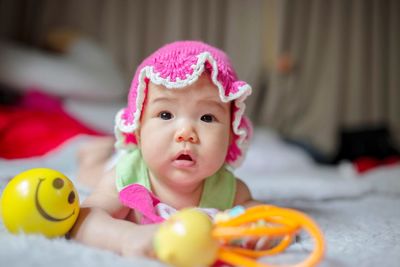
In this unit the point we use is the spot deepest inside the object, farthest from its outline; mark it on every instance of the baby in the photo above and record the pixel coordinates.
(180, 136)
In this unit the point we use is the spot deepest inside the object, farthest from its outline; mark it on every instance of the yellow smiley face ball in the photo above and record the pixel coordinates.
(40, 201)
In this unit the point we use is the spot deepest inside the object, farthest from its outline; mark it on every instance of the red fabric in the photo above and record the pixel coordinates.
(366, 164)
(36, 127)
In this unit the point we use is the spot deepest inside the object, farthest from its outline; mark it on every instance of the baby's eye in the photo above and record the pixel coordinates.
(207, 118)
(165, 115)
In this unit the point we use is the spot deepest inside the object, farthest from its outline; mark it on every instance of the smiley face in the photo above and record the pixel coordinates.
(58, 184)
(40, 201)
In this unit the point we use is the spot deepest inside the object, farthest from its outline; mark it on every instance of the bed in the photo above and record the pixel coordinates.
(359, 214)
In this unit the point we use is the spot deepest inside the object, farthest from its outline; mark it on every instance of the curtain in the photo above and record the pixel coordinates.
(345, 69)
(345, 53)
(132, 29)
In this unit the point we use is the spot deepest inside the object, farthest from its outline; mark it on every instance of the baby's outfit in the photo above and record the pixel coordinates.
(133, 184)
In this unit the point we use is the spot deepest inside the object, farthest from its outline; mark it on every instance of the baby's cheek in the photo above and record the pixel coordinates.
(217, 151)
(220, 140)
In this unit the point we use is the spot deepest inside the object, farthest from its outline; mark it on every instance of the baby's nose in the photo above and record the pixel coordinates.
(186, 134)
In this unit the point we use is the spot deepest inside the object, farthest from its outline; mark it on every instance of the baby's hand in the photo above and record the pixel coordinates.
(140, 241)
(262, 243)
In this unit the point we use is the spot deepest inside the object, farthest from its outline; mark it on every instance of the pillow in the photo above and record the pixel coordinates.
(84, 71)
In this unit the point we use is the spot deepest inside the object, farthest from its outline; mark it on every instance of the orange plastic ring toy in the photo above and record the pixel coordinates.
(284, 223)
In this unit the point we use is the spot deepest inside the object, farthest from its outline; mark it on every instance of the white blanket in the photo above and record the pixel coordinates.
(359, 215)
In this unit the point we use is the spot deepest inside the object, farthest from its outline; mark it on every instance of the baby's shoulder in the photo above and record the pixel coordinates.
(243, 194)
(106, 187)
(105, 196)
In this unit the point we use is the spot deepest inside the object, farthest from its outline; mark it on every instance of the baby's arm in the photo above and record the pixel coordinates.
(102, 223)
(243, 196)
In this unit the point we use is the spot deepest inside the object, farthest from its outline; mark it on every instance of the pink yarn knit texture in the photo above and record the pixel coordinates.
(180, 64)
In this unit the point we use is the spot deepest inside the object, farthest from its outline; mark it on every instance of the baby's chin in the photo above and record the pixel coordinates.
(181, 179)
(187, 176)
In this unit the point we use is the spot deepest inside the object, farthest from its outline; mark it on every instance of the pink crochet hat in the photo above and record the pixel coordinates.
(180, 64)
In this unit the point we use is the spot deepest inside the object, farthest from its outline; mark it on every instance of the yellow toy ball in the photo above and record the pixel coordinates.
(185, 240)
(40, 201)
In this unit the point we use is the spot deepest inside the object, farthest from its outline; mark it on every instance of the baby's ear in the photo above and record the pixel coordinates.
(231, 134)
(137, 135)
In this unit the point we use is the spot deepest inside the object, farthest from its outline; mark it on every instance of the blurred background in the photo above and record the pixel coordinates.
(325, 74)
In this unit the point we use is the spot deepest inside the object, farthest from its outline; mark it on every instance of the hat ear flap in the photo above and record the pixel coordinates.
(130, 138)
(240, 141)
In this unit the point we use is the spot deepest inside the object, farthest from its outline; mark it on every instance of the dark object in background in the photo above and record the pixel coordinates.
(374, 142)
(9, 96)
(311, 150)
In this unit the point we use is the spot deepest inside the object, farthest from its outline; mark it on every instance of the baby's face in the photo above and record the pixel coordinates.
(185, 133)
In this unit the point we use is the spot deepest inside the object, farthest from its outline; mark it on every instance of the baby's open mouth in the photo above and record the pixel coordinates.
(184, 160)
(185, 157)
